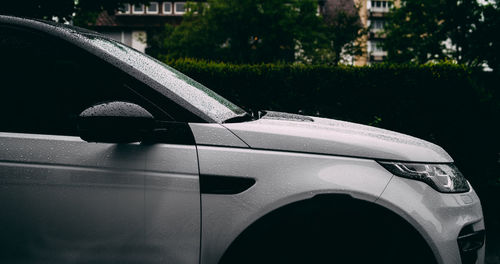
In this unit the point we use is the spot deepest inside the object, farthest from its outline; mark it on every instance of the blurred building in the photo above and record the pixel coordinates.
(132, 24)
(373, 16)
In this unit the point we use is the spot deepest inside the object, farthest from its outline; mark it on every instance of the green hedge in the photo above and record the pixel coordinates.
(448, 104)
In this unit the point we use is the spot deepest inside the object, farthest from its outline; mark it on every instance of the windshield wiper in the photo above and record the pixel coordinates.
(239, 118)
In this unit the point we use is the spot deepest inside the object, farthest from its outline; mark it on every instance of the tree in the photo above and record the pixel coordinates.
(249, 31)
(63, 10)
(488, 32)
(344, 28)
(426, 30)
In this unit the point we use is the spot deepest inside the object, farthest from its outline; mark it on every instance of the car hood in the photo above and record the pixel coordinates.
(297, 133)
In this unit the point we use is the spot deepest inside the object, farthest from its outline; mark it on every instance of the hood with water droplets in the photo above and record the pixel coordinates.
(286, 132)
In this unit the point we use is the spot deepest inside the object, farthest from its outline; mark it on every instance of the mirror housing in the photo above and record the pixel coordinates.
(115, 122)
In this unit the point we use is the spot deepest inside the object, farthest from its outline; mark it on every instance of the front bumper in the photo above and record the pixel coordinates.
(441, 219)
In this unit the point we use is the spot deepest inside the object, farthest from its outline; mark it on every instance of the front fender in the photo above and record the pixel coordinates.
(281, 178)
(438, 217)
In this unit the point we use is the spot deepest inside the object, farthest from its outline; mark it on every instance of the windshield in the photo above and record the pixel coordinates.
(174, 82)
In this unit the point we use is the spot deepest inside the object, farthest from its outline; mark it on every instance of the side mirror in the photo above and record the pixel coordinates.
(115, 122)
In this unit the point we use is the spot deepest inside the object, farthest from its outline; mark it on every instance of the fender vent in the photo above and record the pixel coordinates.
(210, 184)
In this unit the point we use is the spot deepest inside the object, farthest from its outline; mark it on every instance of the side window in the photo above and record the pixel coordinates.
(45, 83)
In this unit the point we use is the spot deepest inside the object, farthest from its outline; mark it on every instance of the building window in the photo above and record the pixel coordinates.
(380, 6)
(167, 8)
(377, 25)
(376, 48)
(180, 8)
(138, 9)
(124, 9)
(152, 8)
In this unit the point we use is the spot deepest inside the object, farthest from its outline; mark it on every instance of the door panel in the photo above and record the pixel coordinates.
(172, 204)
(66, 200)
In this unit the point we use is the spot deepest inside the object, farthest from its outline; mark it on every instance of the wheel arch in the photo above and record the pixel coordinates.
(313, 206)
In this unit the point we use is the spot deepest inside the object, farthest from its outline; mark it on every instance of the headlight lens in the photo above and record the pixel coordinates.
(442, 177)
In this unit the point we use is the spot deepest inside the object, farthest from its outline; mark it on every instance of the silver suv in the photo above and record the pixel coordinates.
(109, 156)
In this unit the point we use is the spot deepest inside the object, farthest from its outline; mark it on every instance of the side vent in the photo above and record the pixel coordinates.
(210, 184)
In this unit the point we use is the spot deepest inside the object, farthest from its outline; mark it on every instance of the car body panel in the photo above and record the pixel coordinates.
(215, 135)
(333, 137)
(438, 217)
(66, 200)
(281, 178)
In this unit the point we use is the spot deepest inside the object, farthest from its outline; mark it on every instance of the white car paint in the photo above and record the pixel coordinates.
(341, 162)
(438, 217)
(328, 136)
(72, 199)
(281, 178)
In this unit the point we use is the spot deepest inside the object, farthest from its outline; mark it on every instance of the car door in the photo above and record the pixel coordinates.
(66, 200)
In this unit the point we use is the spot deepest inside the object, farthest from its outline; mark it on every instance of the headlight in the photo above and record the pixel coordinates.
(442, 177)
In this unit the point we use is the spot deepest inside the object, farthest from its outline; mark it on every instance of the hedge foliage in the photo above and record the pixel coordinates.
(448, 104)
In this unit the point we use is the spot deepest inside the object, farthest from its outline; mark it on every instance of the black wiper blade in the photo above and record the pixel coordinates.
(239, 118)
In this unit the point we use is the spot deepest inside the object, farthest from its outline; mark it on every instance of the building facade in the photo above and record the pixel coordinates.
(132, 23)
(373, 15)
